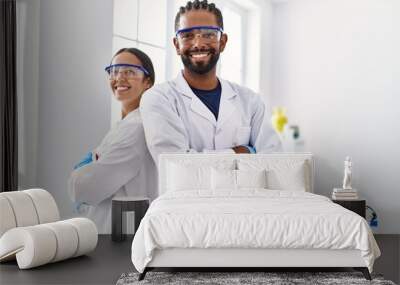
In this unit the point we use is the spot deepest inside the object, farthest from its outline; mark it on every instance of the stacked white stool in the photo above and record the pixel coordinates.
(32, 233)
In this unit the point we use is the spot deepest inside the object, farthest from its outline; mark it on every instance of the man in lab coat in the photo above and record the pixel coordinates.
(199, 112)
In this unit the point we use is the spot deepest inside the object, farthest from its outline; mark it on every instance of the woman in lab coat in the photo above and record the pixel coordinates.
(121, 165)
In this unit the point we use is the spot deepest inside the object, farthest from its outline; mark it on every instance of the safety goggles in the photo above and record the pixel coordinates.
(128, 71)
(208, 34)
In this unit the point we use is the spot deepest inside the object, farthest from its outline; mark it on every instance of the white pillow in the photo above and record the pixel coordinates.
(226, 179)
(251, 178)
(223, 179)
(282, 174)
(292, 178)
(181, 177)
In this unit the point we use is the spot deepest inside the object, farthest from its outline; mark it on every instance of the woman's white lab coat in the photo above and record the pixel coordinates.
(124, 168)
(176, 120)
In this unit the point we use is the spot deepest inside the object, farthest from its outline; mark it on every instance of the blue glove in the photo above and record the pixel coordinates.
(79, 207)
(86, 160)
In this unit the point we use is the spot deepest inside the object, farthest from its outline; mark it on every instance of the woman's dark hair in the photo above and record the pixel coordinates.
(144, 59)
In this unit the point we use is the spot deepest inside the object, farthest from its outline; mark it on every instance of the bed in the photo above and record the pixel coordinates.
(247, 211)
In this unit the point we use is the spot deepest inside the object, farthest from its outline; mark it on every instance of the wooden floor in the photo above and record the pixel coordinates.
(110, 260)
(389, 262)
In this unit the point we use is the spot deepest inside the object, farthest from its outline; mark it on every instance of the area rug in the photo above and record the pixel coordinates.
(244, 278)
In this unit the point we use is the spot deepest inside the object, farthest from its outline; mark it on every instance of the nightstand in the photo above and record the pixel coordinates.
(139, 205)
(357, 206)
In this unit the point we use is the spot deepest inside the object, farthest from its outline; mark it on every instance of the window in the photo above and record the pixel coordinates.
(134, 27)
(233, 57)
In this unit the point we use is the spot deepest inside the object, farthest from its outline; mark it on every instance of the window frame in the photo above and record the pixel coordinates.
(243, 13)
(136, 42)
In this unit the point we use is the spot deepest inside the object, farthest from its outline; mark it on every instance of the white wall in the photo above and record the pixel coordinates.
(336, 66)
(265, 81)
(73, 108)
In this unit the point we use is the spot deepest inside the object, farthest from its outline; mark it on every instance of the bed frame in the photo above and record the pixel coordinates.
(249, 259)
(234, 259)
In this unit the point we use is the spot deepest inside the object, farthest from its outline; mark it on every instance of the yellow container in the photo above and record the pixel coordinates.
(279, 119)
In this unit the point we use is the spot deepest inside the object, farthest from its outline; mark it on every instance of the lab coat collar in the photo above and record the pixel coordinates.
(226, 106)
(133, 115)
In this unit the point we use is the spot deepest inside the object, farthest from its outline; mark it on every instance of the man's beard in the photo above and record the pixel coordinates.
(200, 68)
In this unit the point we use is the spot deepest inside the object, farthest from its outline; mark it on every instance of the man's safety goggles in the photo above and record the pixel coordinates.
(209, 34)
(129, 71)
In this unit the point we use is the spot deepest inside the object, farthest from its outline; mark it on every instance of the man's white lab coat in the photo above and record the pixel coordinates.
(175, 120)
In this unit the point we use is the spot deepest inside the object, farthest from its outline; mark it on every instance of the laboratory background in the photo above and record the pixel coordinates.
(331, 66)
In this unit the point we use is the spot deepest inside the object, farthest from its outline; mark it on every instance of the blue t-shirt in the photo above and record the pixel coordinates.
(210, 98)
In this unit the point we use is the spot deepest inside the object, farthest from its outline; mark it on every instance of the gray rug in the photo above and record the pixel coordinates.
(243, 278)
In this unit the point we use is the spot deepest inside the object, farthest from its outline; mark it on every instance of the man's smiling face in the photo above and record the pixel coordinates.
(199, 55)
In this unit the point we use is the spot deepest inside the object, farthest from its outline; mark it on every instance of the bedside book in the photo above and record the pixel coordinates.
(334, 197)
(341, 190)
(344, 194)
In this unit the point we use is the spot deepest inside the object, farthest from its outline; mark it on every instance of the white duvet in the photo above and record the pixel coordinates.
(252, 218)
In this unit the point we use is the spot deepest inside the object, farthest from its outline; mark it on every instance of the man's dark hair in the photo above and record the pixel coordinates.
(197, 5)
(144, 59)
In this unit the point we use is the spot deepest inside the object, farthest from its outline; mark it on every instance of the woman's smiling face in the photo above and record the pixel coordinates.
(128, 89)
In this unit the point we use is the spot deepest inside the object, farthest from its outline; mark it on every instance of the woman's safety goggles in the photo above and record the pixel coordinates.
(208, 34)
(128, 71)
